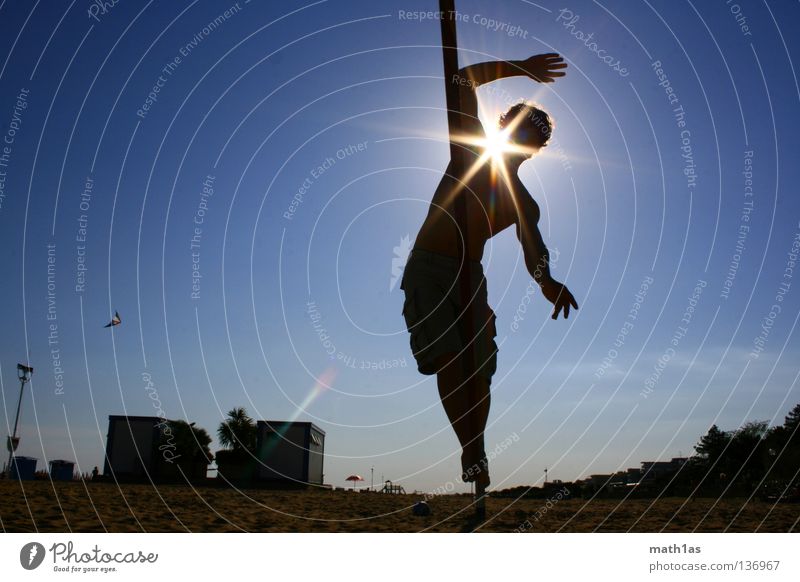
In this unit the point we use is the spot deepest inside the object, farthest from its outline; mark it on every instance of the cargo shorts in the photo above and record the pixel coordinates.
(433, 311)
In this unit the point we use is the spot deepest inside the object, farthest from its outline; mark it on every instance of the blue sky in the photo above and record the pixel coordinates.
(345, 101)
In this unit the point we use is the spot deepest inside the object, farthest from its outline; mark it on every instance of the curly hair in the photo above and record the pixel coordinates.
(531, 125)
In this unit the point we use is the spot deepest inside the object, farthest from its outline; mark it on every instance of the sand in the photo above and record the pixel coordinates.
(96, 507)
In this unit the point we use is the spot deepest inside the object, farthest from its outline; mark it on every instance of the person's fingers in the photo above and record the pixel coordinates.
(549, 56)
(574, 303)
(555, 74)
(566, 311)
(546, 78)
(557, 65)
(559, 307)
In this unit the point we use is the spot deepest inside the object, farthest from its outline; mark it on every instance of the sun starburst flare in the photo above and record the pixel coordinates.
(495, 148)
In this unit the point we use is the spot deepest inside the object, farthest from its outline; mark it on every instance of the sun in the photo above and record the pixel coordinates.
(496, 148)
(496, 144)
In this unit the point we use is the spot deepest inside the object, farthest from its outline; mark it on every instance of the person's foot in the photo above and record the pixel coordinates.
(475, 472)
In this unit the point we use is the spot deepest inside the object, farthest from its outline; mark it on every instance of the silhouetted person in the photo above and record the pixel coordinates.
(95, 473)
(495, 199)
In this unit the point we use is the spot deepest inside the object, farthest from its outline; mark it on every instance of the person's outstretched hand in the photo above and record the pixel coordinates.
(558, 294)
(544, 68)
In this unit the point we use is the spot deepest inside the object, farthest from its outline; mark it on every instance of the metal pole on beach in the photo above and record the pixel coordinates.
(24, 374)
(458, 156)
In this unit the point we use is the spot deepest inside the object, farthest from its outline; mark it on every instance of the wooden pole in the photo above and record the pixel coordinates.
(458, 157)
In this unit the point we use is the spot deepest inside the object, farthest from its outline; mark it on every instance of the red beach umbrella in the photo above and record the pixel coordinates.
(354, 478)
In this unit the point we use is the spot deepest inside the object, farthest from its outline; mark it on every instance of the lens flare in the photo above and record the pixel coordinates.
(496, 144)
(323, 382)
(321, 385)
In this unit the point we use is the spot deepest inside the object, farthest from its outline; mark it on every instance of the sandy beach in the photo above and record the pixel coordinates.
(96, 507)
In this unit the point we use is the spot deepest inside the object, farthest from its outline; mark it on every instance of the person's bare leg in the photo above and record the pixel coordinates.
(467, 407)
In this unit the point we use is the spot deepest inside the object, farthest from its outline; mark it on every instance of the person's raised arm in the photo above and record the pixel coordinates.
(542, 68)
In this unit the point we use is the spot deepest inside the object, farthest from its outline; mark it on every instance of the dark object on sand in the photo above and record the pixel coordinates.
(421, 509)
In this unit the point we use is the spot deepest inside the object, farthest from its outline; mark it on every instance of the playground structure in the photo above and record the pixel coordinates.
(389, 487)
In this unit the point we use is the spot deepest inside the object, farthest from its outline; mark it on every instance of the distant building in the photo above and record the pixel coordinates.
(652, 470)
(131, 447)
(598, 482)
(144, 448)
(62, 470)
(290, 452)
(645, 475)
(634, 475)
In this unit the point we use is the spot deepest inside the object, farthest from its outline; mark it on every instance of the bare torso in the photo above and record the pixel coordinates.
(490, 210)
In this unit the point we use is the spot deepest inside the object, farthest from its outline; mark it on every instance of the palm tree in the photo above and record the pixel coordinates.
(238, 431)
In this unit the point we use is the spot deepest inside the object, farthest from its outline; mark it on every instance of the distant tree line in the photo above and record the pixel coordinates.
(755, 459)
(755, 456)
